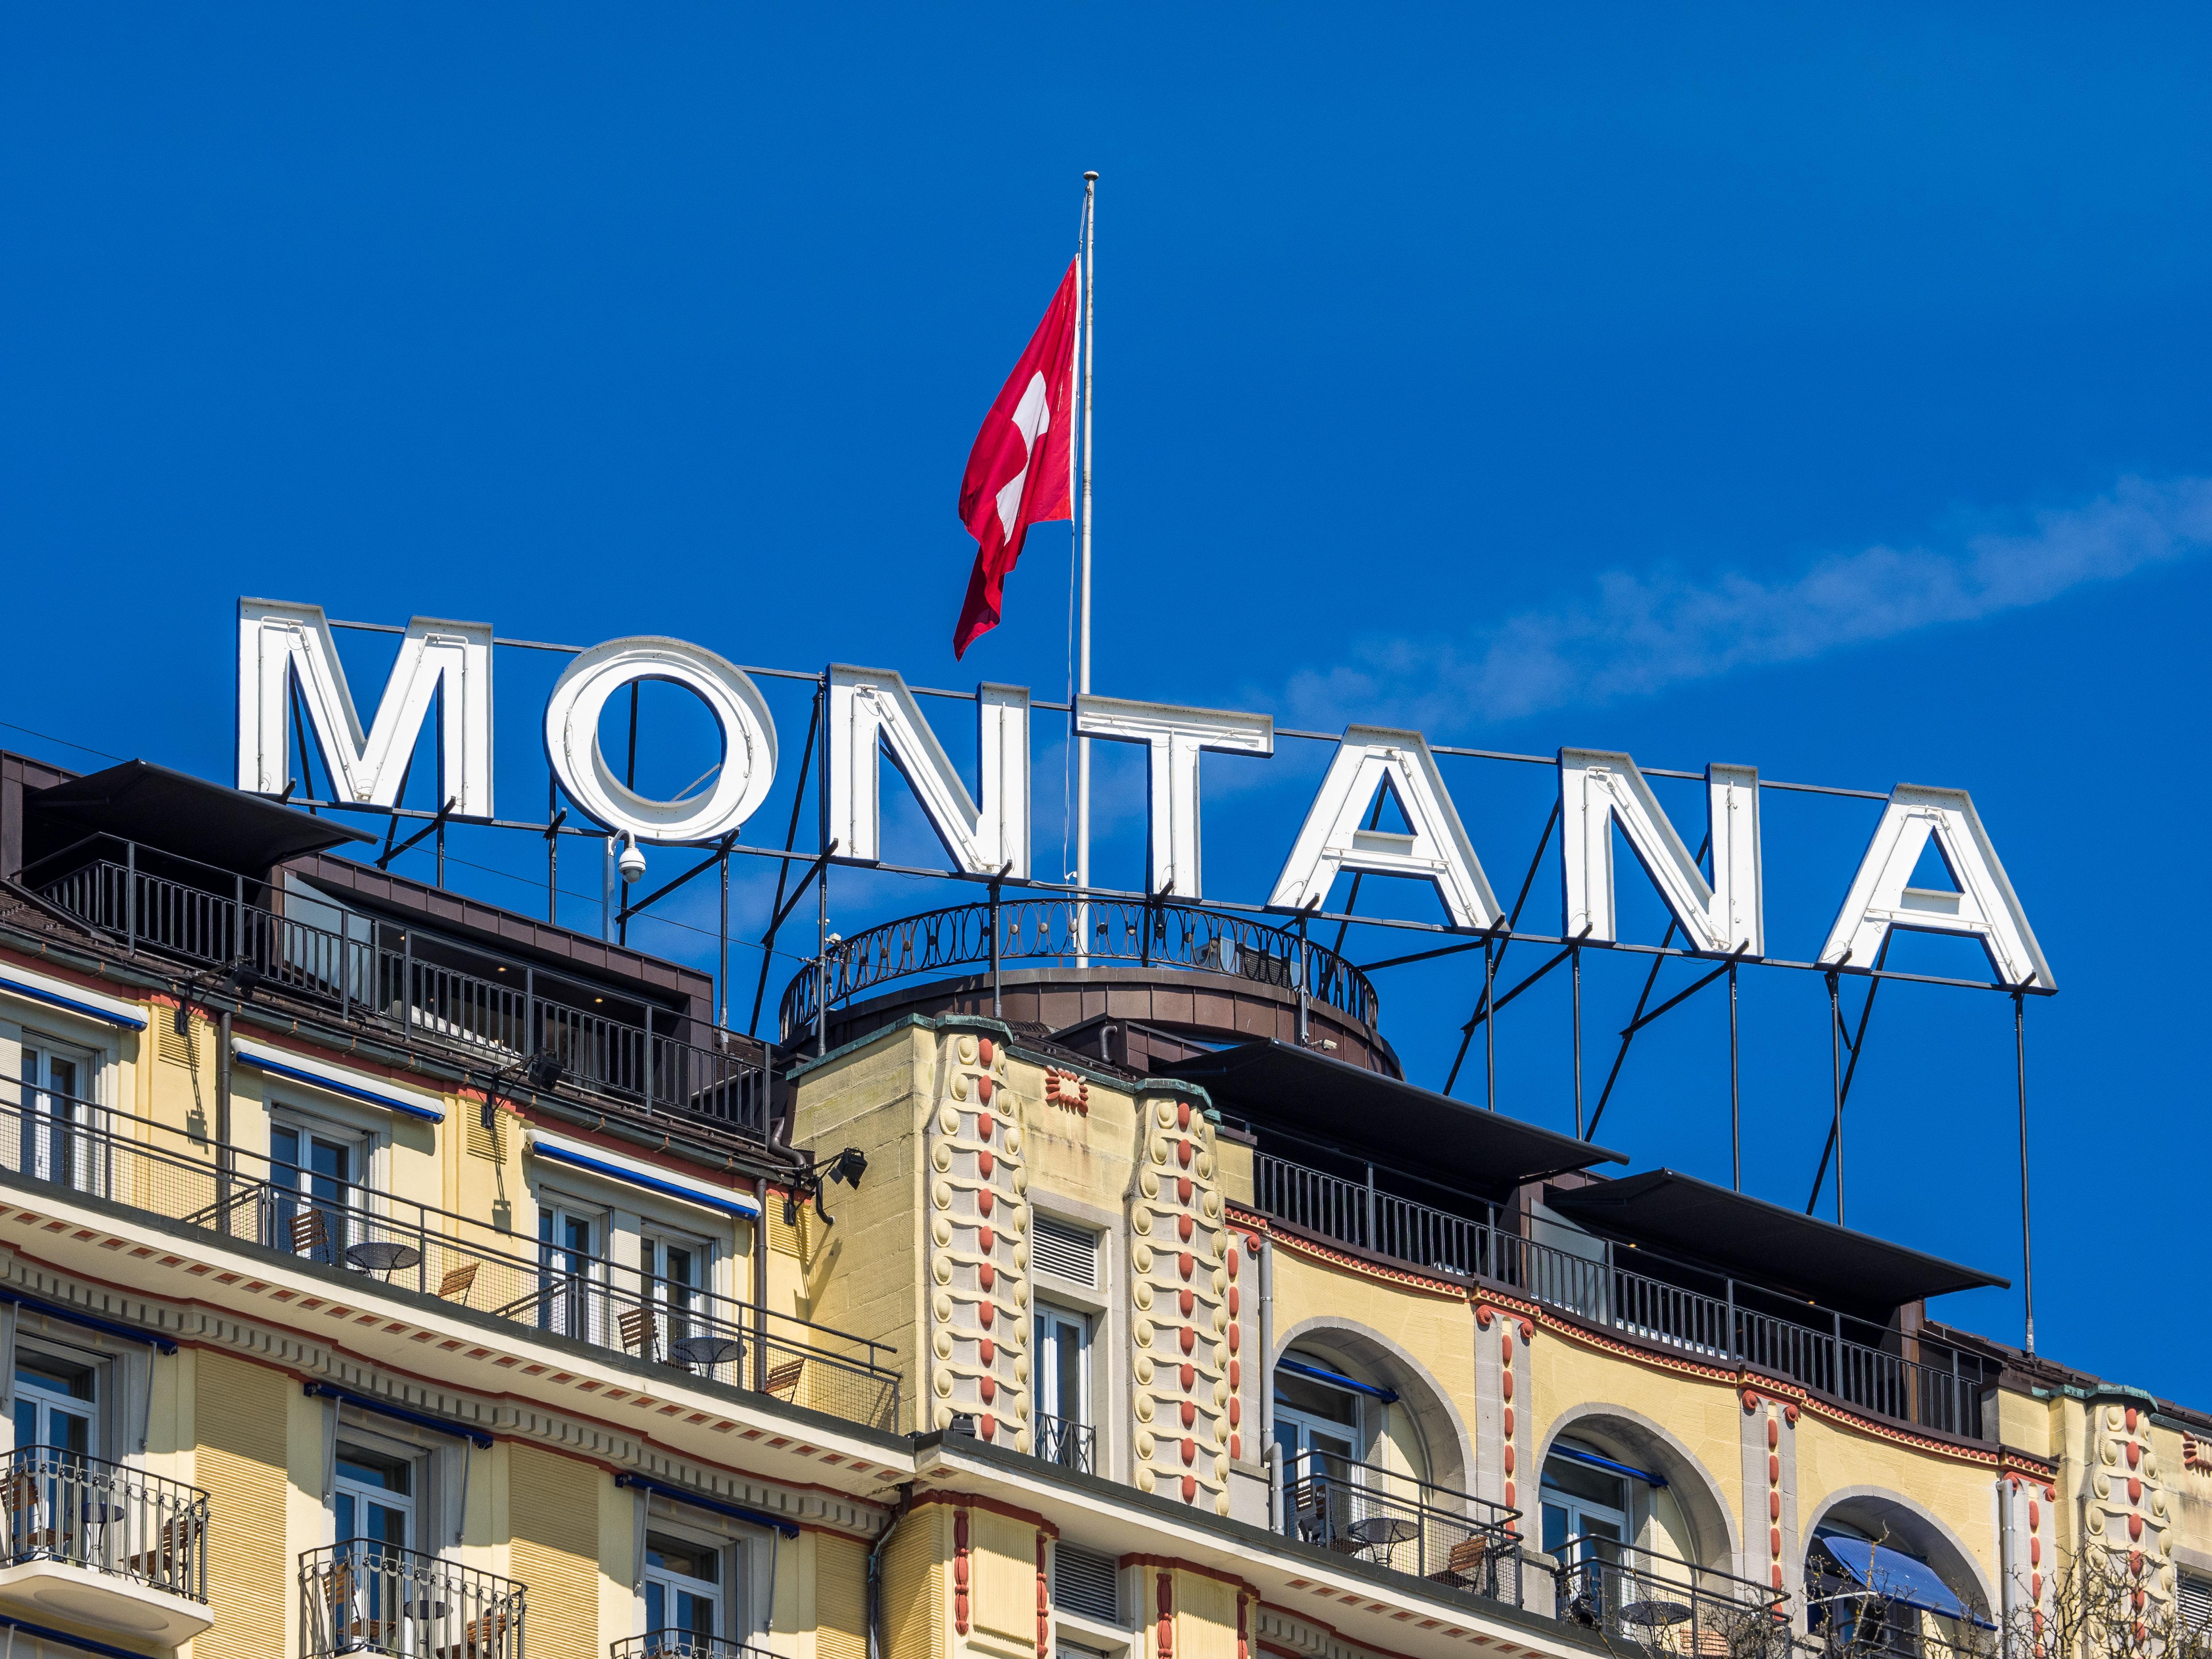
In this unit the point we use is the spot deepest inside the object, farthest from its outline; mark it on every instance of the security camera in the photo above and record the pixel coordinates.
(631, 863)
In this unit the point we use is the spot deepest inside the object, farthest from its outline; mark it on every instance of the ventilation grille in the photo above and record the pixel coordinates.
(1084, 1581)
(1070, 1251)
(2194, 1593)
(488, 1140)
(179, 1047)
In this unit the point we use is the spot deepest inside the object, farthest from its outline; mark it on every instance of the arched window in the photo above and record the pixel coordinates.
(1882, 1582)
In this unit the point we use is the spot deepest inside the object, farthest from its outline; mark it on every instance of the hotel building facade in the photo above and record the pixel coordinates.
(385, 1272)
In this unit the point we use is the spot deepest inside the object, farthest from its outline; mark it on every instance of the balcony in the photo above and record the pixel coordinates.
(418, 986)
(1660, 1604)
(1095, 932)
(366, 1597)
(105, 1546)
(236, 1196)
(1072, 1445)
(1909, 1379)
(682, 1645)
(1404, 1524)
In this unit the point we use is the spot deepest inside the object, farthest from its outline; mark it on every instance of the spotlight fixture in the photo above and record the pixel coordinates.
(544, 1071)
(849, 1166)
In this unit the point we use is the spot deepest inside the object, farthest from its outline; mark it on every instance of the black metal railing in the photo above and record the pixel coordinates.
(362, 1596)
(1664, 1603)
(65, 1506)
(1156, 934)
(683, 1644)
(1935, 1386)
(244, 1196)
(1405, 1524)
(498, 1018)
(1072, 1445)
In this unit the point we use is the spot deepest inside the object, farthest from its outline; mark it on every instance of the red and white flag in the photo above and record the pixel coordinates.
(1019, 471)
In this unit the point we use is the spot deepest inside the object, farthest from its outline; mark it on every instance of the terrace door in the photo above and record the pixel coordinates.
(50, 1492)
(314, 1175)
(50, 1140)
(375, 1595)
(571, 1270)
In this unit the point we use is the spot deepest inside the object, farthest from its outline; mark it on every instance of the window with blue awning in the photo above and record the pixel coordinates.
(1896, 1577)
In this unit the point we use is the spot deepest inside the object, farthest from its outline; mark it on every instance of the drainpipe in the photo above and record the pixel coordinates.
(760, 1285)
(1272, 1455)
(224, 1161)
(875, 1572)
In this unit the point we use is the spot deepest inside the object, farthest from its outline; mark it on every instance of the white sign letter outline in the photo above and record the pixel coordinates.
(873, 712)
(1437, 849)
(572, 740)
(281, 644)
(1174, 736)
(1984, 907)
(1598, 788)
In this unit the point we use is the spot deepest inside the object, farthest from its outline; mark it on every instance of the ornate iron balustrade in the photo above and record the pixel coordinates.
(1408, 1525)
(245, 1197)
(1072, 1445)
(496, 1023)
(1665, 1604)
(64, 1506)
(683, 1644)
(362, 1596)
(1157, 934)
(1850, 1360)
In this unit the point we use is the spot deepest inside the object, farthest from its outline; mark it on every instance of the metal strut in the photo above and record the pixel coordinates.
(783, 865)
(1636, 1021)
(1492, 959)
(1855, 1045)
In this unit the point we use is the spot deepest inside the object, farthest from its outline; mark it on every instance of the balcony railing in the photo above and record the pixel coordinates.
(64, 1506)
(362, 1596)
(1662, 1604)
(1408, 1525)
(235, 1195)
(497, 1019)
(683, 1644)
(1064, 930)
(1711, 1315)
(1070, 1445)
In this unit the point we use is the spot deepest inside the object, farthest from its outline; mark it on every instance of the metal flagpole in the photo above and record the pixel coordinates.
(1082, 614)
(2026, 1244)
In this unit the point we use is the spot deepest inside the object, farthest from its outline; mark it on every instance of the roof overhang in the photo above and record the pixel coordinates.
(1320, 1095)
(1739, 1234)
(176, 812)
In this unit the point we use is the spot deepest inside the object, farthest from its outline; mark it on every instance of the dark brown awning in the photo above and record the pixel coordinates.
(1756, 1240)
(190, 816)
(1319, 1095)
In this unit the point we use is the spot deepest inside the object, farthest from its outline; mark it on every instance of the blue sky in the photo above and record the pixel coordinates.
(1814, 388)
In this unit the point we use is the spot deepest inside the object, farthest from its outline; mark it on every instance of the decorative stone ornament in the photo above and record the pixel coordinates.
(1184, 1338)
(978, 1253)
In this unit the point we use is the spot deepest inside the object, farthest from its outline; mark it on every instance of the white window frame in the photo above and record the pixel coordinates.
(723, 1552)
(57, 1129)
(594, 1321)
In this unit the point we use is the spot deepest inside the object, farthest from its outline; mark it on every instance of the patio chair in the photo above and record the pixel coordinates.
(638, 1331)
(783, 1381)
(1464, 1565)
(311, 1233)
(458, 1282)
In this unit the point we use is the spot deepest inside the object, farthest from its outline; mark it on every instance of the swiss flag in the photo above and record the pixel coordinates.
(1017, 472)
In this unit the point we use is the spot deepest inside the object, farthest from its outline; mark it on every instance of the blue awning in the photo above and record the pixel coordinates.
(1336, 1379)
(1898, 1578)
(1576, 1454)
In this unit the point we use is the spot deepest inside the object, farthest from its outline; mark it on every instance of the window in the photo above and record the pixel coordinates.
(1070, 1251)
(57, 1087)
(571, 1268)
(1063, 1385)
(2192, 1595)
(1317, 1426)
(675, 1268)
(1086, 1582)
(315, 1172)
(373, 1499)
(682, 1592)
(1586, 1505)
(56, 1404)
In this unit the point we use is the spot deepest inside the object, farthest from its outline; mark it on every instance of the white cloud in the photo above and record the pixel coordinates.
(1641, 633)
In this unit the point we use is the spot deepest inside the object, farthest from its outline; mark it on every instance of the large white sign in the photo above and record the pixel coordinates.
(873, 717)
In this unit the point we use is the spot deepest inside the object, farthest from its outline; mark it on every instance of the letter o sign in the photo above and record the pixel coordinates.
(572, 739)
